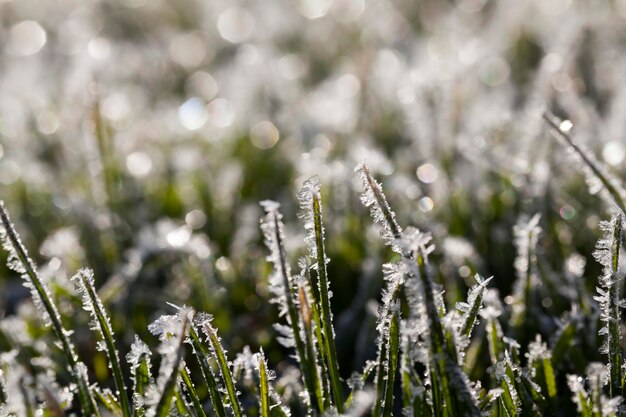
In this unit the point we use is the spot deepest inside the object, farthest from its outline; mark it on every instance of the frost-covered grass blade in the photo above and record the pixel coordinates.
(311, 214)
(203, 356)
(100, 321)
(172, 331)
(223, 364)
(21, 263)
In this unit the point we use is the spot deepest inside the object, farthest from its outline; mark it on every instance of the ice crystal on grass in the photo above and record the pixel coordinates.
(311, 216)
(374, 198)
(204, 321)
(19, 261)
(172, 332)
(284, 287)
(281, 281)
(598, 375)
(472, 307)
(309, 196)
(607, 253)
(526, 236)
(138, 351)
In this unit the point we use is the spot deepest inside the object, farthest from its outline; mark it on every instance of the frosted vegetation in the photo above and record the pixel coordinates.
(312, 208)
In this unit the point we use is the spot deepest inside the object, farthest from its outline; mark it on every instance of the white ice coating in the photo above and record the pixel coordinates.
(598, 377)
(85, 285)
(374, 198)
(310, 190)
(12, 243)
(576, 385)
(138, 351)
(467, 315)
(168, 328)
(608, 279)
(273, 232)
(538, 350)
(526, 234)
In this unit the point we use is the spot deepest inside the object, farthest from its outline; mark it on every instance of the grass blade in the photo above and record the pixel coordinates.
(202, 355)
(284, 286)
(392, 362)
(223, 365)
(20, 262)
(311, 279)
(108, 401)
(607, 254)
(311, 214)
(191, 391)
(264, 386)
(139, 360)
(474, 302)
(100, 320)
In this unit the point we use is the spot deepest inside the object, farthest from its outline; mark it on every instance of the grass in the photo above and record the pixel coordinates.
(426, 349)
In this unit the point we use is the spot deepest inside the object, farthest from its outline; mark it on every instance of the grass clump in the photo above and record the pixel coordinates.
(473, 358)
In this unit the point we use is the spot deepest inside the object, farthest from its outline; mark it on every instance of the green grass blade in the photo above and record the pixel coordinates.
(312, 216)
(143, 379)
(319, 339)
(21, 263)
(358, 383)
(316, 390)
(224, 366)
(274, 237)
(101, 321)
(264, 386)
(139, 360)
(474, 301)
(607, 254)
(392, 363)
(203, 357)
(380, 381)
(374, 198)
(563, 342)
(191, 392)
(108, 401)
(181, 405)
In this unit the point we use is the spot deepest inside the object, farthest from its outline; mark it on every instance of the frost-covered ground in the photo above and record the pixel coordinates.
(137, 138)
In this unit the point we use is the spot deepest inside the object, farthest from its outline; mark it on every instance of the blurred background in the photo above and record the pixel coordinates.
(138, 136)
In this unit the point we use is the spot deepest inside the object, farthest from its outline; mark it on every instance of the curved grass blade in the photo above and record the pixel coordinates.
(100, 320)
(20, 262)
